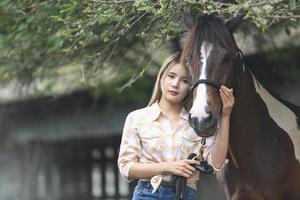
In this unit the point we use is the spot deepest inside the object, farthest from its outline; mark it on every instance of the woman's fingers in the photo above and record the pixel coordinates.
(187, 172)
(185, 168)
(183, 172)
(227, 98)
(191, 162)
(226, 94)
(223, 96)
(223, 87)
(190, 168)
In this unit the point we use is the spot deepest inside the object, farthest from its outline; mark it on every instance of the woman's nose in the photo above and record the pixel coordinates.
(175, 83)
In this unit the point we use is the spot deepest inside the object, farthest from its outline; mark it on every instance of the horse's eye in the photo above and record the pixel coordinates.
(226, 58)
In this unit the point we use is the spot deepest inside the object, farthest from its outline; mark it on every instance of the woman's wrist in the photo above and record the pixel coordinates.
(225, 115)
(164, 167)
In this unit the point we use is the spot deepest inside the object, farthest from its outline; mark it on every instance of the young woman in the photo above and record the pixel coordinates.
(157, 139)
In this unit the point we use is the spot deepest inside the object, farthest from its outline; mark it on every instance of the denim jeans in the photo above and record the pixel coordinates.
(143, 191)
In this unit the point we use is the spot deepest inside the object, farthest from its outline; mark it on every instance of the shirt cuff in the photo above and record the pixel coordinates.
(125, 171)
(209, 161)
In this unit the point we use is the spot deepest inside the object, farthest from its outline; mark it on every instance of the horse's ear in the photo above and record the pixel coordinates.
(189, 20)
(235, 22)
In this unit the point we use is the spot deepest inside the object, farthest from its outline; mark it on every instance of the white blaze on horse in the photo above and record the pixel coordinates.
(264, 144)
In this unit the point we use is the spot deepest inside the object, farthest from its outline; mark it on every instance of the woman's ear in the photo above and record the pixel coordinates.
(189, 20)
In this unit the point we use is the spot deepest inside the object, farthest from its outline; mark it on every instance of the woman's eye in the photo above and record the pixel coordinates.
(185, 81)
(171, 76)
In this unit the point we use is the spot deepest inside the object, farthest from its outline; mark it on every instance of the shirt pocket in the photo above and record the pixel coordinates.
(191, 143)
(151, 141)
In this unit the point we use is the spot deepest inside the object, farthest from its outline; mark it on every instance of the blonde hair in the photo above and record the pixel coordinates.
(157, 93)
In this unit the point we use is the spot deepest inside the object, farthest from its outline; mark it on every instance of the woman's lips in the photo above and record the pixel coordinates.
(174, 93)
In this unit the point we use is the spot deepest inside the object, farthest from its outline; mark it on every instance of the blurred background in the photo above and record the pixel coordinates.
(70, 72)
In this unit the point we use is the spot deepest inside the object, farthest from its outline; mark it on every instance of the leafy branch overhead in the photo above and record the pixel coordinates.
(39, 38)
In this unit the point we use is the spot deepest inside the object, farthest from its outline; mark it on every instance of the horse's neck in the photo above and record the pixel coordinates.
(248, 106)
(246, 118)
(256, 110)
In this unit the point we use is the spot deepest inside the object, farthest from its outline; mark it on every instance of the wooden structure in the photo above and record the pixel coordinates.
(82, 169)
(62, 148)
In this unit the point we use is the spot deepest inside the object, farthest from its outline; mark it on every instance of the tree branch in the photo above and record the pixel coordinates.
(113, 2)
(282, 16)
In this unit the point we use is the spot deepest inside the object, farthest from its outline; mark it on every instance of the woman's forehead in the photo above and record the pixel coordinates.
(178, 68)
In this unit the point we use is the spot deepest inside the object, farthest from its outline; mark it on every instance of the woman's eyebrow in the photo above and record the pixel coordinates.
(172, 73)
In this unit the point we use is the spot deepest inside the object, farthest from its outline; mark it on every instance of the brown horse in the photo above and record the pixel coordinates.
(264, 144)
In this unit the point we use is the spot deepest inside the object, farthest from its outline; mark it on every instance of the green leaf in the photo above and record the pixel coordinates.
(57, 18)
(292, 4)
(268, 8)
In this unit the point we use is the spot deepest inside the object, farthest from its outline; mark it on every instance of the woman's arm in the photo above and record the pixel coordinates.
(219, 151)
(147, 171)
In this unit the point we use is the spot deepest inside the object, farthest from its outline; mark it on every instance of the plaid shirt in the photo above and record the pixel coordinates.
(149, 138)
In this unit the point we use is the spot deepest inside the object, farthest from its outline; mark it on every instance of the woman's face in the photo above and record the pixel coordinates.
(175, 84)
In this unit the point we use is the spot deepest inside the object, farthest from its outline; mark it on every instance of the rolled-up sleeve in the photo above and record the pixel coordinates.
(130, 148)
(208, 147)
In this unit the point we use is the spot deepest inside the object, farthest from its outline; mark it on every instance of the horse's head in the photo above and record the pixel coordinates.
(211, 54)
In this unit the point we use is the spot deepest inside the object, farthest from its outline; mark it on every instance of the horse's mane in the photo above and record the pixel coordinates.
(212, 29)
(293, 107)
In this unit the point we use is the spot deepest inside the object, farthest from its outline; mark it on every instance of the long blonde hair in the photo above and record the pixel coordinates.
(157, 93)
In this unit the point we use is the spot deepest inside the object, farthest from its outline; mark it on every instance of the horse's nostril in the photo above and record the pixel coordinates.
(207, 121)
(190, 120)
(209, 116)
(193, 121)
(208, 111)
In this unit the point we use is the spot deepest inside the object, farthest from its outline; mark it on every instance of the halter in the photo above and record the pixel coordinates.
(215, 84)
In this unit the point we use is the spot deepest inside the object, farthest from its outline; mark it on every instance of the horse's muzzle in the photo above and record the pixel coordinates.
(205, 127)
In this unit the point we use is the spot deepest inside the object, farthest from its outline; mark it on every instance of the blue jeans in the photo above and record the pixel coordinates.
(143, 191)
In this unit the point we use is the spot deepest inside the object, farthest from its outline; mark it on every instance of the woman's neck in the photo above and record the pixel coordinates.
(171, 110)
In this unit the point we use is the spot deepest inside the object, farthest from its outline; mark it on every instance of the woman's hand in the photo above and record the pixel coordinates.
(227, 98)
(182, 167)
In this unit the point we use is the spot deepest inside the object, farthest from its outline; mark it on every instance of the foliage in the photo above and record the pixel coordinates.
(100, 40)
